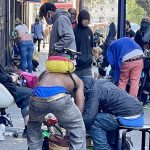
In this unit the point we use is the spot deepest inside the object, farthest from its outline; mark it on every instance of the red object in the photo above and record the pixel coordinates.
(64, 5)
(30, 78)
(59, 58)
(52, 122)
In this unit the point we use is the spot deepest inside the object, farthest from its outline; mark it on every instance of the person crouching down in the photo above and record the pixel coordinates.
(53, 95)
(126, 60)
(106, 108)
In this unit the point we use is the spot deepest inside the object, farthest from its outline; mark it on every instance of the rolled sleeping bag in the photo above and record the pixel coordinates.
(59, 64)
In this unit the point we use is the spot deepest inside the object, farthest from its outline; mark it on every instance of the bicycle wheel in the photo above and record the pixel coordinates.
(128, 144)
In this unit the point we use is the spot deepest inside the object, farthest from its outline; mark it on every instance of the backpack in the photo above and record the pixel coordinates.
(30, 79)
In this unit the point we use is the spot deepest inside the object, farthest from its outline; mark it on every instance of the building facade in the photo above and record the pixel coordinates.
(102, 10)
(7, 11)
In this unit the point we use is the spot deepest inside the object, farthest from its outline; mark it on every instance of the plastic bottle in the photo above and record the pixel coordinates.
(2, 132)
(45, 131)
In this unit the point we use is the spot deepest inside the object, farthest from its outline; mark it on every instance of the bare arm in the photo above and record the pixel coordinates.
(79, 94)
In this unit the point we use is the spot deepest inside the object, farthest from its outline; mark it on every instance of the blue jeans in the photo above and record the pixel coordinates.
(26, 51)
(103, 131)
(68, 115)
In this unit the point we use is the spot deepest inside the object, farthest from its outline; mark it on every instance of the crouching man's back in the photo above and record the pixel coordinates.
(106, 108)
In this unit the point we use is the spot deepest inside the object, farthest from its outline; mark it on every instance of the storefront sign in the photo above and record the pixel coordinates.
(34, 0)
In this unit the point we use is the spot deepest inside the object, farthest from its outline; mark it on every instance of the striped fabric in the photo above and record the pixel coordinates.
(59, 64)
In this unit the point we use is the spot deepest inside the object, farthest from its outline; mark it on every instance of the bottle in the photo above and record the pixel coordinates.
(2, 132)
(45, 131)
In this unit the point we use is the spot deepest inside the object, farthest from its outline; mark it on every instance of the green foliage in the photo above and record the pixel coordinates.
(134, 12)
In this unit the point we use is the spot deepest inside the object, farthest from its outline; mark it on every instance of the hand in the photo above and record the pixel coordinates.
(14, 77)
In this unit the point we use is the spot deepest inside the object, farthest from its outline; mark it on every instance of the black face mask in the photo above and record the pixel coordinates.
(50, 20)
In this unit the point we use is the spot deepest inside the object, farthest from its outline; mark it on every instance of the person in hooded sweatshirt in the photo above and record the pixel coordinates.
(106, 107)
(126, 59)
(62, 35)
(84, 44)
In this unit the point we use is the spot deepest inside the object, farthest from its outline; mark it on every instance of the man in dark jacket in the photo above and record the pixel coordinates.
(107, 107)
(21, 95)
(62, 35)
(84, 44)
(129, 32)
(145, 24)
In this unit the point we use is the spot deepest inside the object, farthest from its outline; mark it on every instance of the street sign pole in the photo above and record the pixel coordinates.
(121, 18)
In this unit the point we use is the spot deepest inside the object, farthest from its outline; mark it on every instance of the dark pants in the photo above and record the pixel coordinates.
(39, 42)
(22, 97)
(84, 72)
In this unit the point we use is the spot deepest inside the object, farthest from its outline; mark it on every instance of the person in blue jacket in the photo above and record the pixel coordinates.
(126, 59)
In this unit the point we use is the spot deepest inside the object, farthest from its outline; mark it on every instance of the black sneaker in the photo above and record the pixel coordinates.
(24, 135)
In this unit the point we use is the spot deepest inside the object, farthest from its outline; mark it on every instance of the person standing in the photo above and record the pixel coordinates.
(25, 44)
(126, 59)
(84, 44)
(129, 32)
(62, 35)
(73, 14)
(37, 30)
(145, 24)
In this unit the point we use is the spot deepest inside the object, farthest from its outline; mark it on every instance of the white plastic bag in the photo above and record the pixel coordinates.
(6, 99)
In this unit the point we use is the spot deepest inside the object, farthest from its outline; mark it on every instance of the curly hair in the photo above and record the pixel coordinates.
(45, 8)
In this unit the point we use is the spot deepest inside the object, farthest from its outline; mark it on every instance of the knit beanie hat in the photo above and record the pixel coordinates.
(83, 15)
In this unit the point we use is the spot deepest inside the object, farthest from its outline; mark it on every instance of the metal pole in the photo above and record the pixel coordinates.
(121, 18)
(80, 5)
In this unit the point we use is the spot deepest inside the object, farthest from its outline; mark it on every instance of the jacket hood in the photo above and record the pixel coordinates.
(83, 15)
(60, 12)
